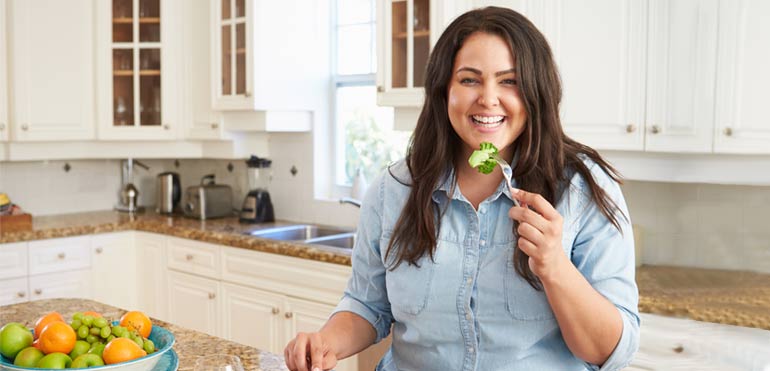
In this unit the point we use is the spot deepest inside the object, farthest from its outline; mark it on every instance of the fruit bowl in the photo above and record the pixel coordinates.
(162, 338)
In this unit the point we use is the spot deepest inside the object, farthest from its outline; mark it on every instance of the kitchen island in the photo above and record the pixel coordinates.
(189, 344)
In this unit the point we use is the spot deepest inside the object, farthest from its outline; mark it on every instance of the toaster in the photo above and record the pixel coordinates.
(208, 200)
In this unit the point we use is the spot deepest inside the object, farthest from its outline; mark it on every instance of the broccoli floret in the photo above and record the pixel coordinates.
(483, 158)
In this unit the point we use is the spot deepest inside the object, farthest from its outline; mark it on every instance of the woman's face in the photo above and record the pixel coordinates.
(483, 98)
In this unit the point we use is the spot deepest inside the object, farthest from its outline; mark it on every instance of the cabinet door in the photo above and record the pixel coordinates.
(151, 274)
(13, 291)
(75, 284)
(253, 317)
(743, 77)
(600, 46)
(13, 260)
(51, 46)
(680, 75)
(113, 258)
(192, 302)
(59, 255)
(231, 53)
(3, 82)
(201, 120)
(308, 316)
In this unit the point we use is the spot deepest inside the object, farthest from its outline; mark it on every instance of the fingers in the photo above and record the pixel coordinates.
(288, 356)
(525, 215)
(299, 352)
(539, 203)
(317, 350)
(308, 352)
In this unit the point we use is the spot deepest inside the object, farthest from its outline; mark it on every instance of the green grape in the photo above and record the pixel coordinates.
(149, 346)
(95, 331)
(138, 340)
(110, 338)
(92, 339)
(76, 324)
(78, 316)
(88, 320)
(118, 330)
(106, 331)
(83, 331)
(96, 348)
(100, 322)
(125, 334)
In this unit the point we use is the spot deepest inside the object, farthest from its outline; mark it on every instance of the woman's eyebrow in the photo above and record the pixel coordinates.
(478, 72)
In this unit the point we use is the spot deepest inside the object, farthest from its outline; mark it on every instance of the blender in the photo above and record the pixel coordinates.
(257, 207)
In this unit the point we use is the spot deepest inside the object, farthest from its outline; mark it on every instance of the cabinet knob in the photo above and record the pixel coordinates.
(212, 295)
(214, 125)
(24, 127)
(61, 255)
(189, 257)
(21, 294)
(99, 250)
(655, 129)
(728, 132)
(38, 291)
(630, 128)
(288, 315)
(2, 126)
(166, 127)
(276, 310)
(380, 89)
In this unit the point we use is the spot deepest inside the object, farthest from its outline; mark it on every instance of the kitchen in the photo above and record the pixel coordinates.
(659, 87)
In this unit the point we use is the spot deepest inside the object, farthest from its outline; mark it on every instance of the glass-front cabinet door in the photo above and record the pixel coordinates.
(137, 81)
(231, 55)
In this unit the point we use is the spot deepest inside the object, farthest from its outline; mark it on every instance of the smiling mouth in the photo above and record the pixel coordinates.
(488, 121)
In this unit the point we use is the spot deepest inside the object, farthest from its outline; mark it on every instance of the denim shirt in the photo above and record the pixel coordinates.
(468, 309)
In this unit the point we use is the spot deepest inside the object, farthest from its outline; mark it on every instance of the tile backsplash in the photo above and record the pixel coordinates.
(696, 225)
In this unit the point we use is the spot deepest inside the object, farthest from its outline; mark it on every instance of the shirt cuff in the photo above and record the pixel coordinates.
(627, 346)
(378, 321)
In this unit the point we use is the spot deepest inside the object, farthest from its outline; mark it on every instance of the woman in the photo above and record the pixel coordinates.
(465, 279)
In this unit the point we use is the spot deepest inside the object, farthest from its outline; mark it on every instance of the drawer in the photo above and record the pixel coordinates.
(193, 257)
(13, 260)
(13, 291)
(75, 284)
(59, 255)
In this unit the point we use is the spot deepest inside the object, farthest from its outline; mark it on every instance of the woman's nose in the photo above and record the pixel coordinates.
(489, 97)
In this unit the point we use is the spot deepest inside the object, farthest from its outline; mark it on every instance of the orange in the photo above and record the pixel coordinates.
(92, 314)
(46, 319)
(121, 350)
(57, 337)
(136, 320)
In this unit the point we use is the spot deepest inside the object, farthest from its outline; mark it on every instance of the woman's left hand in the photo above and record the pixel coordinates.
(540, 233)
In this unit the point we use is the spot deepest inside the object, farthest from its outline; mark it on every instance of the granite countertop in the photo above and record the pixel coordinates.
(189, 344)
(721, 296)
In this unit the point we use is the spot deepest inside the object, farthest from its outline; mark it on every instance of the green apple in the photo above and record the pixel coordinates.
(81, 347)
(96, 348)
(13, 338)
(86, 361)
(28, 357)
(55, 360)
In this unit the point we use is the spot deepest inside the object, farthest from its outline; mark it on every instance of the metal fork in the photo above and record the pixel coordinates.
(507, 174)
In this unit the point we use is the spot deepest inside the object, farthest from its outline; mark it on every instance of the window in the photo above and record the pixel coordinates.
(363, 131)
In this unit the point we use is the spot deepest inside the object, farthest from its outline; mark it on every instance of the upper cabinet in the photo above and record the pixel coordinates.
(268, 55)
(637, 74)
(51, 69)
(406, 33)
(138, 66)
(3, 82)
(742, 124)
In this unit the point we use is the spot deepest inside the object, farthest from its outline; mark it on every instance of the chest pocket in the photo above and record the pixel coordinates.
(523, 301)
(408, 286)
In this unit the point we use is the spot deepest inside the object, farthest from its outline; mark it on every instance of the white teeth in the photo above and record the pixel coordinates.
(488, 119)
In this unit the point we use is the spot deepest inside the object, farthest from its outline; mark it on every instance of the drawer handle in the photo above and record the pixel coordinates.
(99, 250)
(21, 294)
(214, 125)
(24, 127)
(276, 310)
(728, 132)
(38, 291)
(630, 128)
(212, 295)
(288, 315)
(655, 129)
(61, 255)
(189, 257)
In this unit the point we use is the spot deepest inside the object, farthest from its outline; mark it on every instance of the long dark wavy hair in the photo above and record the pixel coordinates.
(546, 155)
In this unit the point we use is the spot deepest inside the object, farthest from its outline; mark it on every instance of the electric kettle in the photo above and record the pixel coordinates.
(168, 192)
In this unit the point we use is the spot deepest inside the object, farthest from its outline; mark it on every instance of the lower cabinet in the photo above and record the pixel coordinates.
(113, 257)
(193, 302)
(151, 274)
(75, 284)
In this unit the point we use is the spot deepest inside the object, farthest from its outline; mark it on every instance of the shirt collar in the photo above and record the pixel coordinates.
(449, 186)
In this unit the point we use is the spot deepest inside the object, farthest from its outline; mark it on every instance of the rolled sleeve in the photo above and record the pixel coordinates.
(366, 294)
(628, 344)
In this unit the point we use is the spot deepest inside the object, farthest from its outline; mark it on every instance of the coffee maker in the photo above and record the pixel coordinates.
(257, 207)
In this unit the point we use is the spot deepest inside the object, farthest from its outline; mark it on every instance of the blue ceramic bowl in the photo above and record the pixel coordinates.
(162, 338)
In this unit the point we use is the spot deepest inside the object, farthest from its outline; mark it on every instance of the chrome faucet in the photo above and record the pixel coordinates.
(352, 201)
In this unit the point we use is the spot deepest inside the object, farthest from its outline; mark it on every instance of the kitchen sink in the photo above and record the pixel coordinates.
(308, 233)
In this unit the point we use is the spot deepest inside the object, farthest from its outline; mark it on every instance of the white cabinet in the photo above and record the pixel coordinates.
(51, 57)
(4, 127)
(406, 32)
(74, 284)
(13, 290)
(742, 124)
(193, 303)
(13, 273)
(637, 75)
(60, 268)
(113, 257)
(138, 69)
(151, 274)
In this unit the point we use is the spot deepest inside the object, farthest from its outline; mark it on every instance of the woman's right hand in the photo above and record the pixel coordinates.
(309, 351)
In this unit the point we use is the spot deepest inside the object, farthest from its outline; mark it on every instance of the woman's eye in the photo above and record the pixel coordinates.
(509, 82)
(467, 80)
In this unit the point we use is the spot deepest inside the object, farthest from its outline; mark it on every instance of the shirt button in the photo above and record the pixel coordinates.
(483, 210)
(467, 316)
(470, 280)
(470, 350)
(483, 242)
